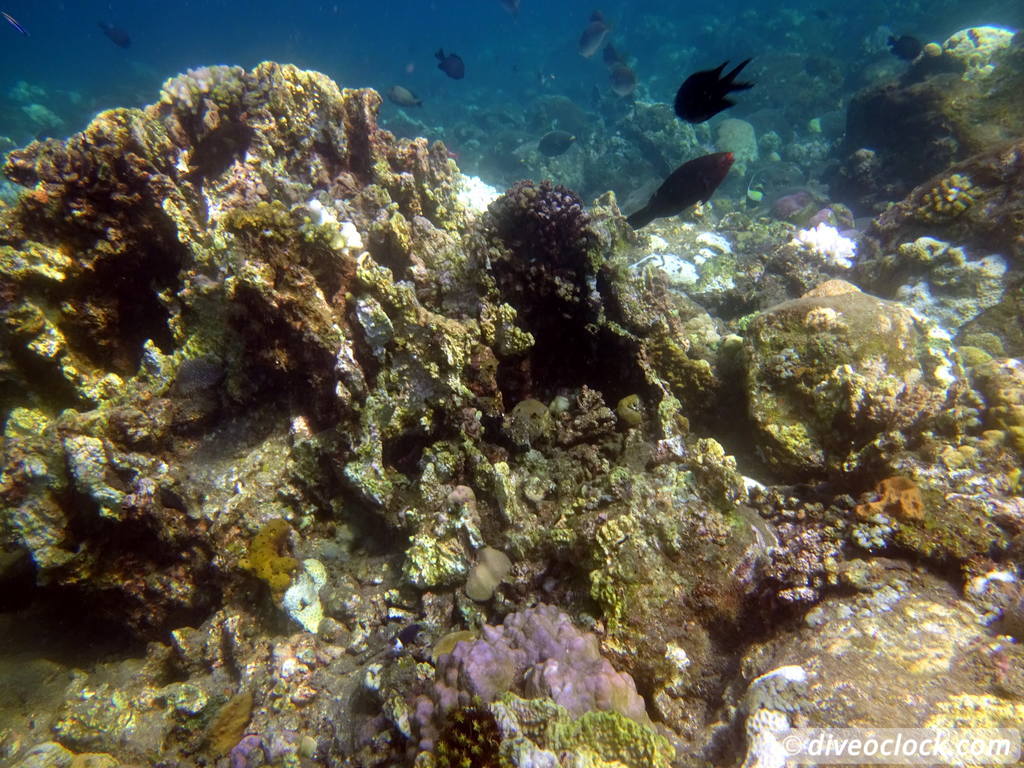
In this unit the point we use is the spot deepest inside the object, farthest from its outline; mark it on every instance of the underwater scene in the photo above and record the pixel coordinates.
(508, 383)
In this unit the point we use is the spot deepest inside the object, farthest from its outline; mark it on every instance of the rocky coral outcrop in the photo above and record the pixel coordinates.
(943, 110)
(827, 375)
(853, 663)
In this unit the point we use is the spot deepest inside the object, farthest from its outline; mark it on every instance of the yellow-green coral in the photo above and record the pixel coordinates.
(948, 199)
(470, 739)
(596, 739)
(266, 560)
(691, 379)
(269, 221)
(630, 410)
(431, 562)
(611, 737)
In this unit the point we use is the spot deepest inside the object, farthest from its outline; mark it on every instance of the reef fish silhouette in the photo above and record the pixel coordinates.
(117, 36)
(555, 143)
(905, 47)
(692, 182)
(452, 64)
(703, 94)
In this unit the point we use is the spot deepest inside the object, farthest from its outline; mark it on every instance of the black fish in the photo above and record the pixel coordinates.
(452, 64)
(691, 183)
(703, 94)
(512, 6)
(555, 143)
(905, 47)
(117, 35)
(409, 634)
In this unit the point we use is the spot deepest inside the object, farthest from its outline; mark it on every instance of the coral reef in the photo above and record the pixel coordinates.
(950, 197)
(266, 560)
(587, 706)
(281, 412)
(470, 738)
(537, 652)
(854, 661)
(824, 242)
(953, 259)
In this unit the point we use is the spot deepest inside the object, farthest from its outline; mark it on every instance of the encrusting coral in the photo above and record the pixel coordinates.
(267, 558)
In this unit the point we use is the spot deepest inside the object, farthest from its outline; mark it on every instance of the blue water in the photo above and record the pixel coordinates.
(73, 70)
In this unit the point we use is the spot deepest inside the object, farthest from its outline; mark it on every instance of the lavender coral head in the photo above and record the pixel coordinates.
(537, 652)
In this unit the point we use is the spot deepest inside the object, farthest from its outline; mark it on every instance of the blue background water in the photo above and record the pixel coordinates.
(80, 71)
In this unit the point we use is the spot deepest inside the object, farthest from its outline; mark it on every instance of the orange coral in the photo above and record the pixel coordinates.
(897, 497)
(39, 194)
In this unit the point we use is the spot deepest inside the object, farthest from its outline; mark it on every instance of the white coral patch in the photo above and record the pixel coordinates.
(825, 242)
(475, 195)
(678, 270)
(302, 600)
(349, 233)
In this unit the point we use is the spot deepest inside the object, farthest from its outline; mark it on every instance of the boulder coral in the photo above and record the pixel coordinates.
(827, 375)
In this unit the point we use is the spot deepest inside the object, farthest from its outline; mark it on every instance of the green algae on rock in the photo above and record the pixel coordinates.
(828, 375)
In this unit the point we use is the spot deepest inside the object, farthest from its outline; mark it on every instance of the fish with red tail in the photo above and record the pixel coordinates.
(695, 181)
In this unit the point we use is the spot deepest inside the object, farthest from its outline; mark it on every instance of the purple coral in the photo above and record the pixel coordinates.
(243, 754)
(541, 222)
(278, 746)
(537, 652)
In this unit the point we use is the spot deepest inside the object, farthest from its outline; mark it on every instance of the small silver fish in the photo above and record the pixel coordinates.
(14, 23)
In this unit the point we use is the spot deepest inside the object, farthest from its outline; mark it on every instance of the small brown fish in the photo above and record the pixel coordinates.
(555, 143)
(622, 79)
(594, 35)
(692, 182)
(403, 97)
